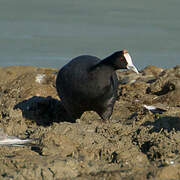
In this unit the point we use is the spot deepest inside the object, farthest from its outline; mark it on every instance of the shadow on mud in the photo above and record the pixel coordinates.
(43, 110)
(165, 122)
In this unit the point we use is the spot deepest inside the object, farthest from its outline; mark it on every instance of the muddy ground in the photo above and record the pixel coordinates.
(136, 144)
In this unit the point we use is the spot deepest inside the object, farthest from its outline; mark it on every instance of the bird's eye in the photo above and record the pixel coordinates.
(122, 58)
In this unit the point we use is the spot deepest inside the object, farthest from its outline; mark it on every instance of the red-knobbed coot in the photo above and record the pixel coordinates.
(89, 83)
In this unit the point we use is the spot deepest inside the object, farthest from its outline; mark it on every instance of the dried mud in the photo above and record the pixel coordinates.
(136, 144)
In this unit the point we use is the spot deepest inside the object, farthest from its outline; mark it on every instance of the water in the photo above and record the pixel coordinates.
(48, 33)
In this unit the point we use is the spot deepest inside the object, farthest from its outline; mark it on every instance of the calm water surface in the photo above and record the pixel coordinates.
(48, 33)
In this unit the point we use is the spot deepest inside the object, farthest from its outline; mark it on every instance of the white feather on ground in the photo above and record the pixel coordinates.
(40, 78)
(150, 107)
(11, 140)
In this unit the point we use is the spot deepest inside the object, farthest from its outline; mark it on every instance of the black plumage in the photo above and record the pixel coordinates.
(88, 83)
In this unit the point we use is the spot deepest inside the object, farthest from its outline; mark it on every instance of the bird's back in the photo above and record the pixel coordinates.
(74, 76)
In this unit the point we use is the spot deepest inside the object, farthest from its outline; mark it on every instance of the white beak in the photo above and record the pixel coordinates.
(130, 65)
(133, 68)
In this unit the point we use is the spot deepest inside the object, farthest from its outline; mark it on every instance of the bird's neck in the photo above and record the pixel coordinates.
(104, 64)
(108, 61)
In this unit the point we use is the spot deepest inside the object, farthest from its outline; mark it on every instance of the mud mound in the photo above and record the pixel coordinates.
(142, 141)
(167, 87)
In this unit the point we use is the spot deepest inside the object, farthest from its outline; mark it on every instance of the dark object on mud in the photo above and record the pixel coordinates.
(88, 83)
(43, 110)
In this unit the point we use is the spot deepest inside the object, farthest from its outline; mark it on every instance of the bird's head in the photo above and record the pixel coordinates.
(122, 60)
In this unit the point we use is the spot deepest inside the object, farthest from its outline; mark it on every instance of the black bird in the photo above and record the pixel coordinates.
(89, 83)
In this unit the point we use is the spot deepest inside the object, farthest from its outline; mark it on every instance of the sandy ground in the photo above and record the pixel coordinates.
(136, 144)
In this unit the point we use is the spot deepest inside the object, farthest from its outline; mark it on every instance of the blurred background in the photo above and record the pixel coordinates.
(49, 33)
